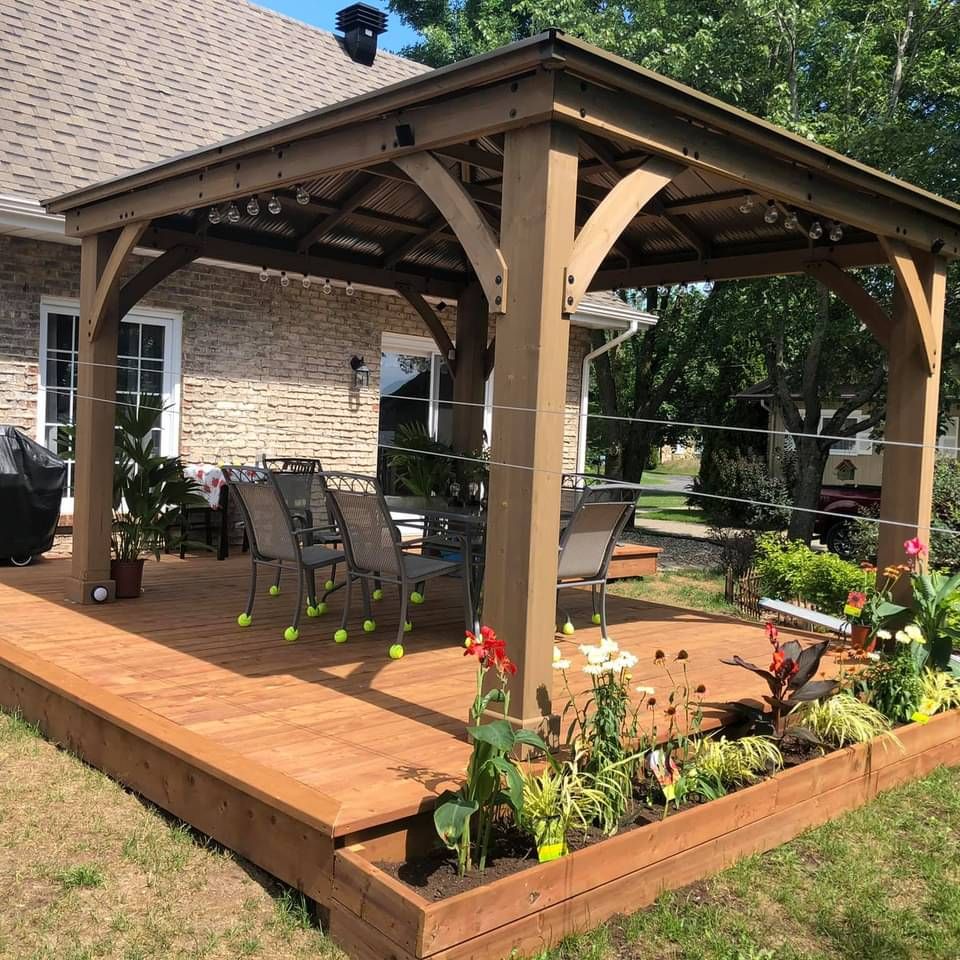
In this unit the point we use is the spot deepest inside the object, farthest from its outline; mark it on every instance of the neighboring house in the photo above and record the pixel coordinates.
(857, 460)
(96, 88)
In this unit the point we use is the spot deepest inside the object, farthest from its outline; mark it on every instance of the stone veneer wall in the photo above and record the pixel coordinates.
(265, 369)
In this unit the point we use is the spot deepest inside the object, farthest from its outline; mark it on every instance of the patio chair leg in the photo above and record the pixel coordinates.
(329, 583)
(312, 606)
(292, 633)
(246, 618)
(419, 594)
(369, 624)
(596, 618)
(603, 609)
(341, 635)
(275, 586)
(396, 651)
(377, 586)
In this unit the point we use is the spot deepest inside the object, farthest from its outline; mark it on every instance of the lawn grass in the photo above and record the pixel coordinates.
(687, 467)
(881, 883)
(88, 870)
(667, 506)
(691, 587)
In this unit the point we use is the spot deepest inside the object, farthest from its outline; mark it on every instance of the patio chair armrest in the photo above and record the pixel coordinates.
(303, 531)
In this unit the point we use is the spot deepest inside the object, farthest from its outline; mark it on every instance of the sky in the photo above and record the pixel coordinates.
(323, 13)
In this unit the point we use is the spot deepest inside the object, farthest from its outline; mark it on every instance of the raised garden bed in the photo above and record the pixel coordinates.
(633, 560)
(374, 916)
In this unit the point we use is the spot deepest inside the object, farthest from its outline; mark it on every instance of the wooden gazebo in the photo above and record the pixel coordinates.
(514, 183)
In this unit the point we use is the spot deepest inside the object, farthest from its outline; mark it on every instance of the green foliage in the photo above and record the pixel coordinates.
(790, 570)
(742, 477)
(936, 598)
(82, 875)
(894, 685)
(939, 691)
(424, 466)
(840, 720)
(735, 763)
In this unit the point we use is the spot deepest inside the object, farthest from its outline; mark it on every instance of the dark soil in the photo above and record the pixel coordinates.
(435, 876)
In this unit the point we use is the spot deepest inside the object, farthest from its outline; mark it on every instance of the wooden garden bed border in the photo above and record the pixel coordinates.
(375, 917)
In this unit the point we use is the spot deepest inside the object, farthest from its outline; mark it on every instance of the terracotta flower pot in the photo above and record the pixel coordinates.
(128, 575)
(859, 634)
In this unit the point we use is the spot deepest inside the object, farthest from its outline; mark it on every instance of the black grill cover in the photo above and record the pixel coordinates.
(31, 485)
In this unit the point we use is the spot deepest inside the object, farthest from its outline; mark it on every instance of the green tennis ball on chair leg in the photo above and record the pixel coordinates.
(378, 594)
(416, 597)
(244, 620)
(328, 585)
(369, 626)
(321, 608)
(291, 634)
(596, 618)
(275, 590)
(340, 636)
(407, 626)
(396, 651)
(568, 629)
(312, 611)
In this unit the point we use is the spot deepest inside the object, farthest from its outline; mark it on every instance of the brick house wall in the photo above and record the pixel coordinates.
(264, 368)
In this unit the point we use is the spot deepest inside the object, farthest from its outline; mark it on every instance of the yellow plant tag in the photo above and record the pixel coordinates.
(919, 717)
(551, 851)
(669, 791)
(852, 611)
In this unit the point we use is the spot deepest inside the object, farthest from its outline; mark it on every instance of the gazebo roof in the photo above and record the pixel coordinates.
(365, 219)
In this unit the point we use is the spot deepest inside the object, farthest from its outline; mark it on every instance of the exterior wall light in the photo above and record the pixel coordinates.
(361, 372)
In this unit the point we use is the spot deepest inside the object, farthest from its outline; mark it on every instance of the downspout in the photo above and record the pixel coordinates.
(585, 388)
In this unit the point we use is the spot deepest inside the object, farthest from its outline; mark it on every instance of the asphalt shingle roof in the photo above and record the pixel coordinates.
(90, 89)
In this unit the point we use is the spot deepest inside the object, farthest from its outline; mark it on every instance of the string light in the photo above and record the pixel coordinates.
(253, 206)
(790, 221)
(836, 232)
(264, 276)
(233, 213)
(306, 282)
(326, 287)
(213, 214)
(772, 214)
(273, 205)
(349, 290)
(303, 198)
(816, 230)
(284, 279)
(747, 206)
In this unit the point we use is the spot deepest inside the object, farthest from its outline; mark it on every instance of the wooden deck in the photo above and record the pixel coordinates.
(337, 737)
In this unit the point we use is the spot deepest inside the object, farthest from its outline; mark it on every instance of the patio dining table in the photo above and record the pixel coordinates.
(452, 532)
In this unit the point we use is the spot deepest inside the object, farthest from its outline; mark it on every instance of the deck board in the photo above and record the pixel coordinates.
(381, 737)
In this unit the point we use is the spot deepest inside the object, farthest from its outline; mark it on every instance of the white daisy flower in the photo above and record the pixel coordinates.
(873, 655)
(884, 634)
(611, 646)
(593, 669)
(646, 691)
(598, 656)
(561, 664)
(627, 660)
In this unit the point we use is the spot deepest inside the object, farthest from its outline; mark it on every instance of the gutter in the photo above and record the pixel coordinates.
(632, 329)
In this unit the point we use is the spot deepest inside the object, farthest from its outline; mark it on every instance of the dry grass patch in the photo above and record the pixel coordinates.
(88, 870)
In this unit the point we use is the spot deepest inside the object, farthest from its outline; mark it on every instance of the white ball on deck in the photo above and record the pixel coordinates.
(100, 594)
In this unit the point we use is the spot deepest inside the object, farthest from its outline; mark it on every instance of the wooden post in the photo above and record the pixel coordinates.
(468, 386)
(94, 417)
(912, 403)
(536, 234)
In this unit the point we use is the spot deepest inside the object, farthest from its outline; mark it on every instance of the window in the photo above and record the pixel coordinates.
(857, 445)
(949, 440)
(148, 364)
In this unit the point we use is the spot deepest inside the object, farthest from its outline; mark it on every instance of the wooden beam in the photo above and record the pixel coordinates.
(741, 267)
(473, 315)
(722, 200)
(434, 229)
(465, 116)
(157, 270)
(254, 255)
(591, 107)
(916, 291)
(357, 199)
(848, 289)
(681, 228)
(540, 174)
(94, 419)
(913, 393)
(475, 156)
(109, 278)
(608, 221)
(433, 323)
(448, 195)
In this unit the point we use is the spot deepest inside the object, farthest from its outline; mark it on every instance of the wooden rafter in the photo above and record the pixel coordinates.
(358, 198)
(848, 289)
(608, 221)
(679, 226)
(449, 196)
(109, 279)
(433, 323)
(433, 230)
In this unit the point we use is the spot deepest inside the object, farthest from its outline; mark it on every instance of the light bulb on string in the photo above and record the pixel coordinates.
(303, 198)
(284, 279)
(264, 276)
(747, 205)
(836, 232)
(816, 230)
(306, 281)
(213, 215)
(349, 291)
(327, 288)
(790, 221)
(273, 204)
(772, 214)
(233, 213)
(253, 206)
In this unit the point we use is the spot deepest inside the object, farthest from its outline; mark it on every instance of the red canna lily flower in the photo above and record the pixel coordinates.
(772, 632)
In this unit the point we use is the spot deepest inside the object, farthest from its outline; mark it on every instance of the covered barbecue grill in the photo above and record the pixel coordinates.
(31, 486)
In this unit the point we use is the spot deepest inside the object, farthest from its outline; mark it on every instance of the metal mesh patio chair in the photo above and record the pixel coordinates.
(276, 542)
(376, 553)
(587, 544)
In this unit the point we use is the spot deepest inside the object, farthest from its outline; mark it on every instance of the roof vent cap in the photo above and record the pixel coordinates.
(361, 25)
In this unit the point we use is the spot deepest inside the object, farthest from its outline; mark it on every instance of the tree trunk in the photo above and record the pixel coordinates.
(811, 460)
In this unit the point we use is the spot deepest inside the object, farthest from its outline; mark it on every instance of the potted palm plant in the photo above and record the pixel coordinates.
(150, 494)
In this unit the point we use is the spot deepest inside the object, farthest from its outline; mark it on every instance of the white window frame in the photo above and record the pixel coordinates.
(862, 444)
(171, 321)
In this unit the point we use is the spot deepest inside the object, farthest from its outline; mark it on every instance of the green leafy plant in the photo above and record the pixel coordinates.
(936, 600)
(735, 763)
(938, 691)
(790, 676)
(893, 683)
(464, 819)
(423, 465)
(839, 720)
